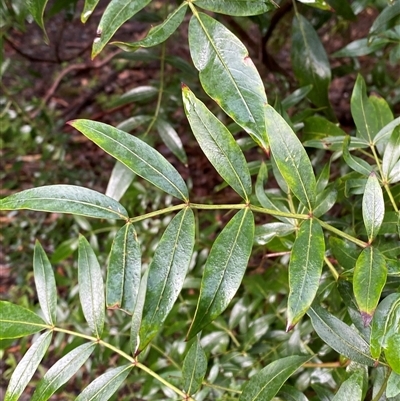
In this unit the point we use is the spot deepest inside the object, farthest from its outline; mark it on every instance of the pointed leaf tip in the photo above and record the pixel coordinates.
(289, 327)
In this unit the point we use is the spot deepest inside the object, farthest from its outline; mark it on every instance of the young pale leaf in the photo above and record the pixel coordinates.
(137, 315)
(36, 9)
(392, 353)
(218, 144)
(194, 368)
(354, 162)
(228, 75)
(224, 269)
(237, 8)
(27, 367)
(62, 371)
(340, 336)
(45, 284)
(141, 158)
(66, 199)
(104, 386)
(91, 287)
(124, 268)
(171, 139)
(267, 382)
(16, 321)
(88, 9)
(351, 389)
(116, 13)
(385, 323)
(392, 153)
(363, 111)
(373, 207)
(310, 62)
(368, 281)
(160, 33)
(291, 158)
(393, 385)
(167, 272)
(305, 270)
(120, 180)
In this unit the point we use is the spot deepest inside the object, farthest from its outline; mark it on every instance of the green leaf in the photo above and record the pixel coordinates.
(325, 200)
(392, 353)
(354, 162)
(361, 47)
(137, 94)
(171, 139)
(124, 270)
(393, 385)
(16, 321)
(120, 180)
(339, 336)
(291, 158)
(336, 143)
(218, 144)
(385, 323)
(237, 8)
(266, 232)
(141, 158)
(296, 97)
(289, 393)
(91, 287)
(363, 111)
(62, 371)
(310, 63)
(167, 272)
(27, 366)
(65, 199)
(386, 19)
(345, 252)
(116, 13)
(351, 389)
(228, 75)
(267, 382)
(392, 154)
(104, 386)
(373, 207)
(264, 200)
(344, 9)
(160, 33)
(224, 269)
(137, 315)
(386, 131)
(194, 368)
(36, 8)
(45, 284)
(88, 9)
(305, 270)
(317, 127)
(321, 4)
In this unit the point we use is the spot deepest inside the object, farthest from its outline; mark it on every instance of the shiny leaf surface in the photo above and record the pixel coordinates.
(267, 382)
(167, 272)
(45, 284)
(91, 287)
(228, 75)
(291, 158)
(237, 8)
(305, 270)
(65, 199)
(224, 269)
(124, 270)
(218, 144)
(141, 158)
